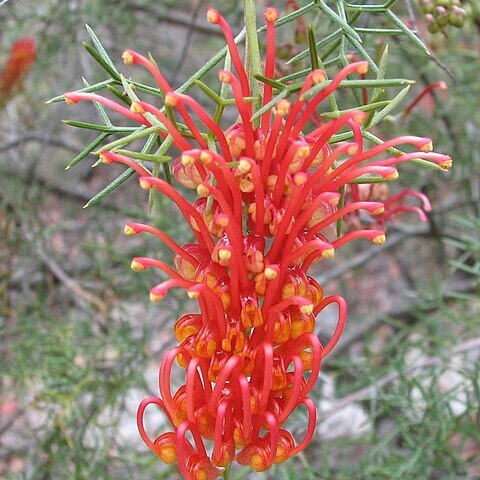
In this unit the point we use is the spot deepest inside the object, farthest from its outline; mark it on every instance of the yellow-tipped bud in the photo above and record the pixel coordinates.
(328, 253)
(170, 100)
(201, 473)
(135, 107)
(206, 157)
(363, 68)
(379, 239)
(359, 117)
(155, 298)
(300, 178)
(127, 57)
(193, 295)
(270, 273)
(69, 101)
(378, 211)
(187, 160)
(145, 184)
(222, 220)
(392, 176)
(352, 150)
(167, 453)
(307, 309)
(224, 255)
(128, 230)
(213, 16)
(428, 147)
(225, 77)
(202, 190)
(271, 14)
(303, 151)
(136, 266)
(446, 164)
(103, 158)
(244, 166)
(282, 107)
(318, 76)
(334, 201)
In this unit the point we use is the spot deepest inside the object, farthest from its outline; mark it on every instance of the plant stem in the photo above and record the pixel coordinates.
(252, 55)
(226, 473)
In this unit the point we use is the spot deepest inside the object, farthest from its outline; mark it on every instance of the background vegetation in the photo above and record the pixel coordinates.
(80, 342)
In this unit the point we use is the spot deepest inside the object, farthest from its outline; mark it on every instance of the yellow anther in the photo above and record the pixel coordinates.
(135, 107)
(136, 266)
(392, 176)
(379, 239)
(300, 178)
(328, 253)
(145, 184)
(154, 298)
(271, 14)
(318, 76)
(127, 57)
(224, 255)
(202, 190)
(104, 159)
(303, 151)
(362, 69)
(244, 166)
(446, 164)
(222, 220)
(270, 273)
(428, 147)
(69, 101)
(212, 16)
(352, 150)
(206, 157)
(193, 295)
(282, 107)
(225, 77)
(187, 160)
(307, 309)
(378, 211)
(128, 230)
(359, 117)
(167, 454)
(170, 100)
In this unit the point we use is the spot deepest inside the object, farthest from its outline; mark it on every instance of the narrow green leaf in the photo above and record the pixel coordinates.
(110, 188)
(416, 40)
(87, 150)
(121, 96)
(274, 83)
(362, 7)
(140, 132)
(101, 128)
(101, 50)
(363, 108)
(390, 107)
(144, 157)
(209, 92)
(349, 31)
(100, 60)
(319, 45)
(270, 104)
(366, 179)
(379, 31)
(312, 47)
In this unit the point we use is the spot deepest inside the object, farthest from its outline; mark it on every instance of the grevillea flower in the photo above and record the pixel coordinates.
(268, 202)
(22, 56)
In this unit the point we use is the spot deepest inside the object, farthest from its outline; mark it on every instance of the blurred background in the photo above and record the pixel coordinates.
(80, 343)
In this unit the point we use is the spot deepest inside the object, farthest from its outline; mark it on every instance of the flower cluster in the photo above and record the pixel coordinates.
(269, 197)
(22, 55)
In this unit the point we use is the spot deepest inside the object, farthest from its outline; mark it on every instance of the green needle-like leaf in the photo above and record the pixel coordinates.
(101, 50)
(100, 60)
(349, 30)
(390, 107)
(87, 150)
(416, 40)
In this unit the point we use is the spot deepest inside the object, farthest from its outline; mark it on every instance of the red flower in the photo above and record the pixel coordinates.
(22, 56)
(268, 199)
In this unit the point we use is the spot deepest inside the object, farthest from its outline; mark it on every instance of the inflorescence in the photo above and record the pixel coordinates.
(269, 199)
